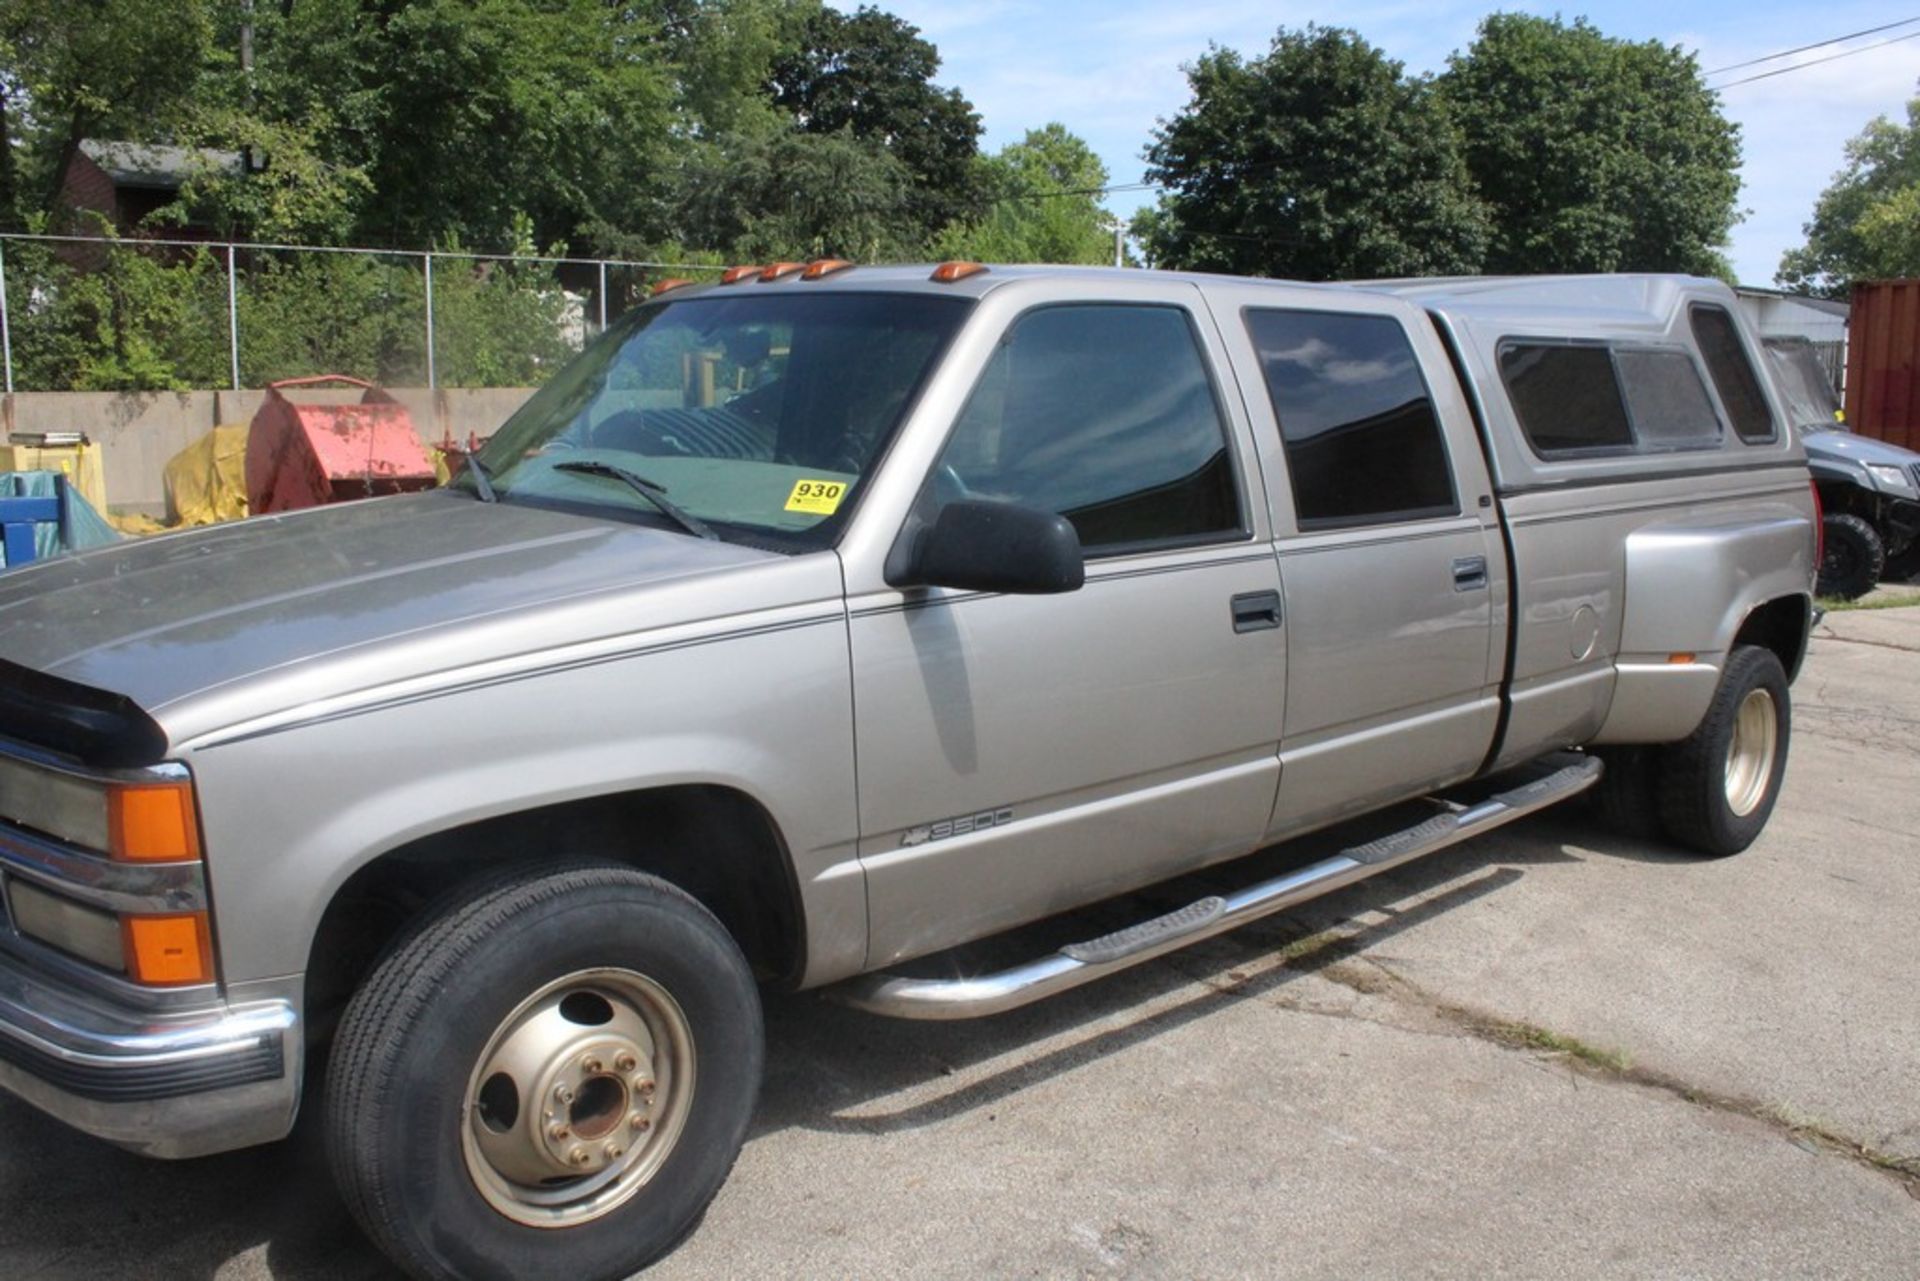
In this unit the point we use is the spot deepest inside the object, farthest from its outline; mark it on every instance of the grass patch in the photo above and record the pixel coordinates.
(1528, 1036)
(1302, 948)
(1895, 600)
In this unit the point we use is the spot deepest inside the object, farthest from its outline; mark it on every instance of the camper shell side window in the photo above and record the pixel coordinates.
(1586, 399)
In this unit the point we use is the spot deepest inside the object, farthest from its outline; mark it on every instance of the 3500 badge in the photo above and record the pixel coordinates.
(957, 826)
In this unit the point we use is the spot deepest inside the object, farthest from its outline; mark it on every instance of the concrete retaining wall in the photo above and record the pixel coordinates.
(139, 431)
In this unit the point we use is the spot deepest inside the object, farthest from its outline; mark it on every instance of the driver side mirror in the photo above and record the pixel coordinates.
(996, 547)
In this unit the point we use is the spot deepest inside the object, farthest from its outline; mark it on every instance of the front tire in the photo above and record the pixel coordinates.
(1852, 558)
(1716, 788)
(551, 1076)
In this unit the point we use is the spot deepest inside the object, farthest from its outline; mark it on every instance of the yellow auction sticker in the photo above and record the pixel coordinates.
(820, 497)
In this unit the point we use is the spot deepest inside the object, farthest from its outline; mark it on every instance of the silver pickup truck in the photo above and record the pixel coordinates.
(826, 619)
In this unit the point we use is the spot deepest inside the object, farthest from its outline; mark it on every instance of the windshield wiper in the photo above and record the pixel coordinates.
(482, 478)
(655, 494)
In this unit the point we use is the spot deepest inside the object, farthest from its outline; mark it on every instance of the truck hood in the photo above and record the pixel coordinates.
(1858, 449)
(365, 592)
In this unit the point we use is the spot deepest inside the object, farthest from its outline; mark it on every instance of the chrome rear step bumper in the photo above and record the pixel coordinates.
(1077, 963)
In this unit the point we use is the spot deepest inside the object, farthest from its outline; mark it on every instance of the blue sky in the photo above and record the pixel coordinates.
(1110, 69)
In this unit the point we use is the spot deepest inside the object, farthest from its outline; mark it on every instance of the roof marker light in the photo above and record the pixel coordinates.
(948, 272)
(675, 282)
(734, 275)
(824, 267)
(780, 269)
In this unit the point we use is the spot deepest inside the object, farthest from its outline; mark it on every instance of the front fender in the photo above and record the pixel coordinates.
(290, 815)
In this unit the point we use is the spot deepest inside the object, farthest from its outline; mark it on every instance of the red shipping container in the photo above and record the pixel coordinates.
(304, 455)
(1883, 346)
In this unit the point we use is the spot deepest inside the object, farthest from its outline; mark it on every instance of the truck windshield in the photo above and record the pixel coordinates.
(1803, 384)
(759, 415)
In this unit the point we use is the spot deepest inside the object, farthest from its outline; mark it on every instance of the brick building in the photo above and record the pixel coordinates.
(123, 182)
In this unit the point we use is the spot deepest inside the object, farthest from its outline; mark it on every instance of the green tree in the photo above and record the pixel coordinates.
(304, 314)
(1318, 161)
(722, 55)
(129, 319)
(1866, 224)
(1593, 154)
(292, 193)
(1045, 205)
(463, 114)
(797, 195)
(113, 68)
(870, 73)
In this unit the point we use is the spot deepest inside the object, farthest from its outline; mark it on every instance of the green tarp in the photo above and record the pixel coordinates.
(83, 527)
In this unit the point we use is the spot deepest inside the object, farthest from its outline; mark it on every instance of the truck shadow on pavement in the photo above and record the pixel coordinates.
(76, 1207)
(834, 1069)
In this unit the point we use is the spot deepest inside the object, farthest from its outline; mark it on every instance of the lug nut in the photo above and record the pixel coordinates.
(592, 1065)
(578, 1156)
(613, 1151)
(563, 1092)
(644, 1084)
(626, 1063)
(640, 1124)
(557, 1132)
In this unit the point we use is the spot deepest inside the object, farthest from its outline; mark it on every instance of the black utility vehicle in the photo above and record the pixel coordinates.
(1869, 490)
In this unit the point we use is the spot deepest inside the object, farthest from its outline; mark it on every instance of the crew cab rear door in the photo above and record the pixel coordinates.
(1018, 755)
(1392, 567)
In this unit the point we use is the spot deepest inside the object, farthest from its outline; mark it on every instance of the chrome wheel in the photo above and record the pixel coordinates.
(1750, 751)
(578, 1098)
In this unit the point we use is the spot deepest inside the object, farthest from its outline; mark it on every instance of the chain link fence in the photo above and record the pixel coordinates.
(96, 313)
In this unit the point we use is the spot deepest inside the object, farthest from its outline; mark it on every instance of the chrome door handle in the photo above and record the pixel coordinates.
(1469, 573)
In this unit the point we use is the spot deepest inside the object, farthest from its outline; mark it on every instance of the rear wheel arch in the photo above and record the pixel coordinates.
(1780, 625)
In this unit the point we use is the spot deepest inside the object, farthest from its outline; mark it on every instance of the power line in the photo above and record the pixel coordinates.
(1081, 191)
(1819, 44)
(1802, 66)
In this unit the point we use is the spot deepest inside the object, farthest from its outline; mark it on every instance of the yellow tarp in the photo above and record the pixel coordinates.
(79, 463)
(207, 481)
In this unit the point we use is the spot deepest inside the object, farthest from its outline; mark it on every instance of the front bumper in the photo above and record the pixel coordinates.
(177, 1083)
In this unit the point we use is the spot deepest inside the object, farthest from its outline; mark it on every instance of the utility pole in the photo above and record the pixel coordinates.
(246, 75)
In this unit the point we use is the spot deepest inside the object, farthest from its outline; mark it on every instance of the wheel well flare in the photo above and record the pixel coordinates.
(716, 843)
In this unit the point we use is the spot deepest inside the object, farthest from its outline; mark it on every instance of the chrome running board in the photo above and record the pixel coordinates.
(1077, 963)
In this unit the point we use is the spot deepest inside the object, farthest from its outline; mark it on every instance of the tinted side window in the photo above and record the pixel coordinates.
(1106, 415)
(1362, 441)
(1565, 397)
(1666, 399)
(1731, 371)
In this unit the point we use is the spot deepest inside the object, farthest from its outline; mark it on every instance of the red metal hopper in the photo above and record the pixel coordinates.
(304, 455)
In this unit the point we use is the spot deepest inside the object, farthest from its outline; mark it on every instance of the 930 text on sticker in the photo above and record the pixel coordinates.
(822, 497)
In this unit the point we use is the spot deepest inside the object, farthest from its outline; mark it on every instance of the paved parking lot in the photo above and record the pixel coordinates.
(1549, 1052)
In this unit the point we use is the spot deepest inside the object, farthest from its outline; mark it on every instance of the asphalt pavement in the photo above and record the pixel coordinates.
(1548, 1052)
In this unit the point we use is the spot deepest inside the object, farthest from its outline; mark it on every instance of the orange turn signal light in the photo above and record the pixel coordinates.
(675, 282)
(152, 823)
(780, 269)
(948, 272)
(734, 275)
(1682, 658)
(167, 951)
(824, 267)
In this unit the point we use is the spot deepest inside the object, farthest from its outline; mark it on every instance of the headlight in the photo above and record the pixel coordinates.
(1889, 477)
(129, 822)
